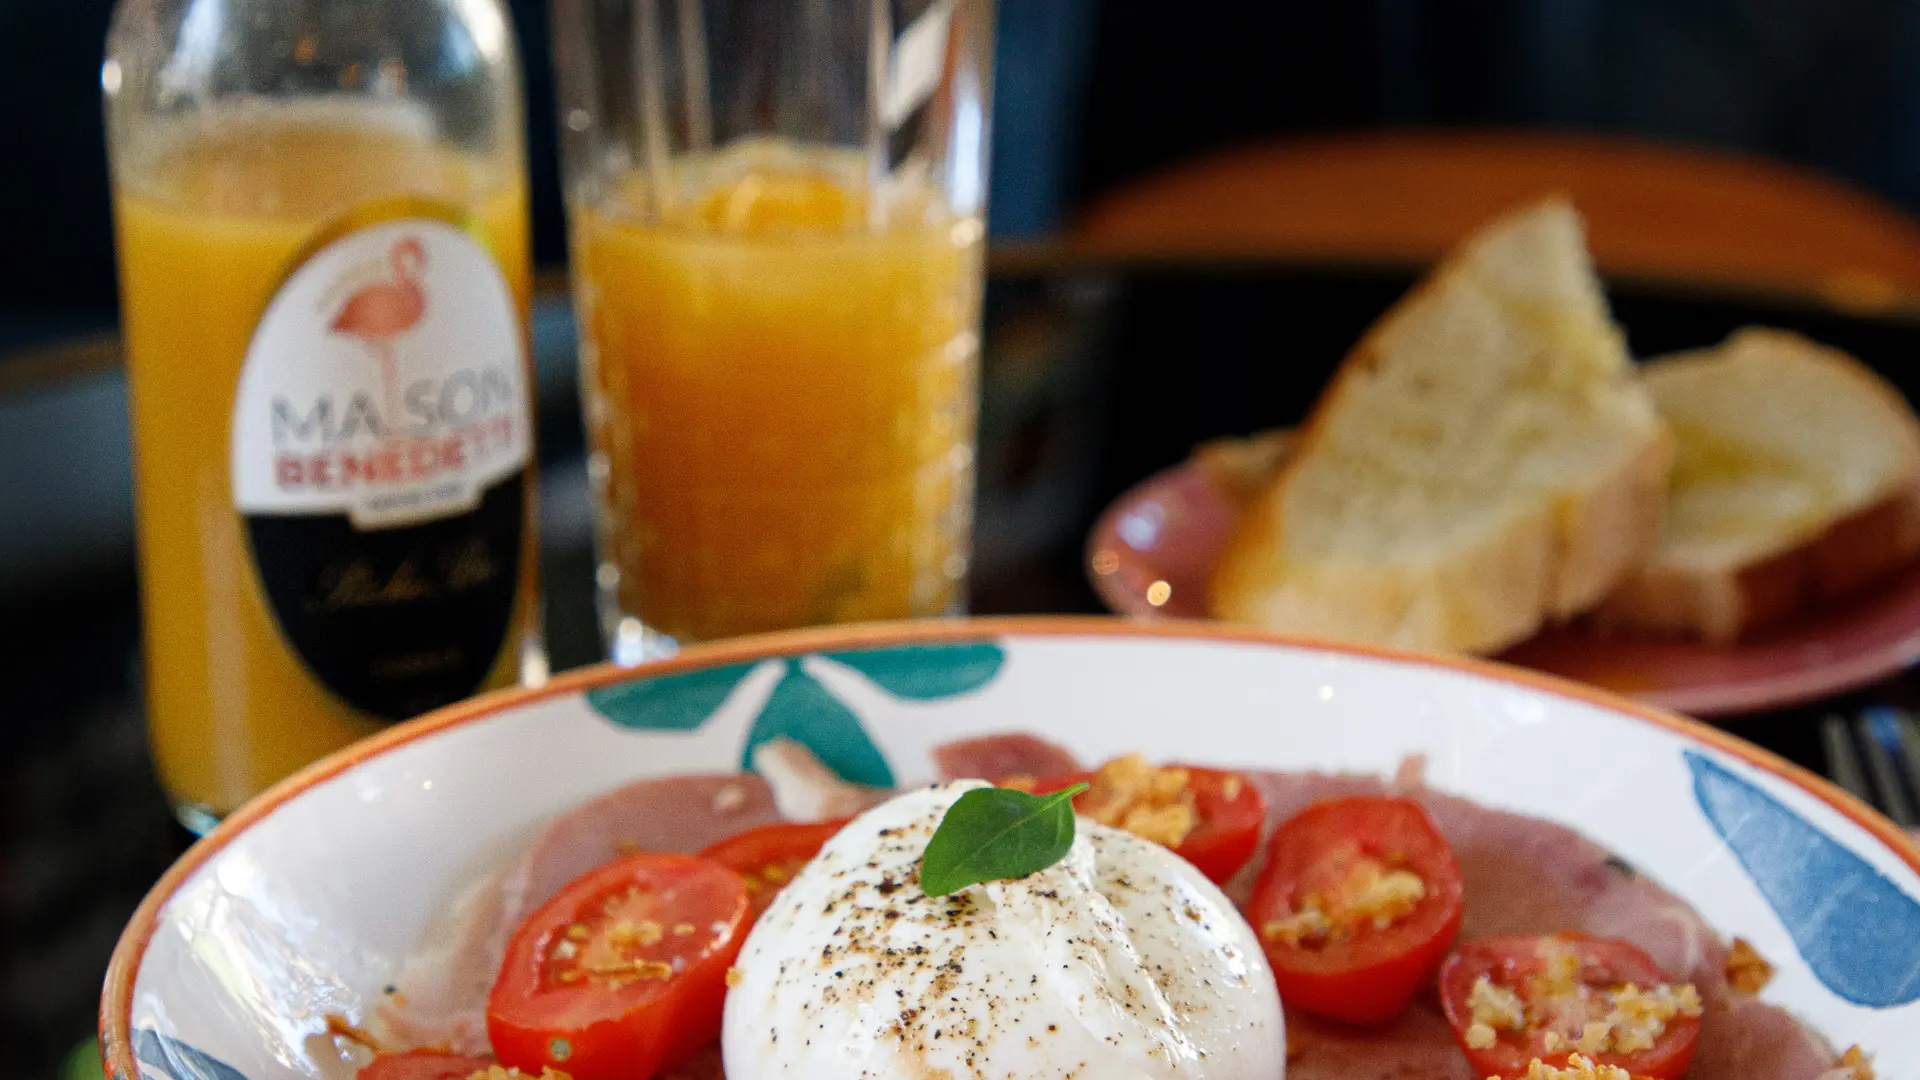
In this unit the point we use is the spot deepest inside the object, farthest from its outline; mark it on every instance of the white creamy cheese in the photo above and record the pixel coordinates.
(1121, 962)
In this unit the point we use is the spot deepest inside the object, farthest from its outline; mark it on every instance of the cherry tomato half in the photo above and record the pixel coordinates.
(1359, 900)
(422, 1065)
(1513, 962)
(1228, 812)
(623, 972)
(768, 857)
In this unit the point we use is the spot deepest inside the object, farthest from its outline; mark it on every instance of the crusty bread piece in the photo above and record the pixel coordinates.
(1796, 479)
(1242, 468)
(1483, 462)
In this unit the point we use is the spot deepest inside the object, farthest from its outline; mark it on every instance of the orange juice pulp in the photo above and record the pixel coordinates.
(782, 406)
(207, 231)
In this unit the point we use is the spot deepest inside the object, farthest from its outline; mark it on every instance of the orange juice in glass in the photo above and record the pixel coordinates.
(779, 320)
(782, 405)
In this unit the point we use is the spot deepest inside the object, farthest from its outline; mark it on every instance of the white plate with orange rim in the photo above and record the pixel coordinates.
(304, 902)
(1152, 552)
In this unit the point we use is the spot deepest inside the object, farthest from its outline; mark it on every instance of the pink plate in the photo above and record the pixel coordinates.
(1152, 550)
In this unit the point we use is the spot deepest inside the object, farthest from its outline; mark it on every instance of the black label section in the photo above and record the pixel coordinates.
(396, 621)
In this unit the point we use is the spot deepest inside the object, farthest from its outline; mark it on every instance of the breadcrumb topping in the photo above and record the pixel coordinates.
(1152, 803)
(1633, 1019)
(1370, 895)
(1854, 1065)
(1638, 1017)
(1559, 975)
(1747, 971)
(1307, 924)
(1576, 1068)
(1132, 794)
(617, 954)
(501, 1072)
(626, 934)
(1496, 1007)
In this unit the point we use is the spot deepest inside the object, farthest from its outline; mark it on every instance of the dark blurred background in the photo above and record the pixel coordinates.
(1090, 97)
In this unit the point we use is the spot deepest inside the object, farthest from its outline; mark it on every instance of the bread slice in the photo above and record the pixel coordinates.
(1243, 467)
(1796, 480)
(1483, 462)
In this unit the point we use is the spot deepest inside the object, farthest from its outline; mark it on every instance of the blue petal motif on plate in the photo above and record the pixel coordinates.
(680, 702)
(1856, 929)
(169, 1057)
(927, 672)
(802, 710)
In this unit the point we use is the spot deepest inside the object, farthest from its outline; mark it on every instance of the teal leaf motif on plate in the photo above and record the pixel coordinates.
(802, 710)
(1856, 929)
(679, 702)
(164, 1055)
(927, 672)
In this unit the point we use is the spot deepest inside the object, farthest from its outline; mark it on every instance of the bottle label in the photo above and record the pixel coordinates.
(381, 435)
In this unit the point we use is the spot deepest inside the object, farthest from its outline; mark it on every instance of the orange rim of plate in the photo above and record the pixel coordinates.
(116, 1000)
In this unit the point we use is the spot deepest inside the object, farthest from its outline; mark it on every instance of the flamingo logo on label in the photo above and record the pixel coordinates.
(381, 443)
(441, 413)
(381, 311)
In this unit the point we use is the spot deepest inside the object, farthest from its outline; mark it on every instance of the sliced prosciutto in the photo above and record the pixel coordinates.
(1528, 876)
(997, 757)
(1522, 876)
(440, 996)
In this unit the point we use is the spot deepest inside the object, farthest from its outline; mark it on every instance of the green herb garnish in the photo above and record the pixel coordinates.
(990, 834)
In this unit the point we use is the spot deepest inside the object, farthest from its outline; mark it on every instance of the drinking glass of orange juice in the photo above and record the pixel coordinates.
(777, 222)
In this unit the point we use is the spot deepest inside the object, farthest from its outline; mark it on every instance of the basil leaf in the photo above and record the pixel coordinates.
(990, 834)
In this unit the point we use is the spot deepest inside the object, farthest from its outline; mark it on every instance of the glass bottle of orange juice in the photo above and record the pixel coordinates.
(322, 219)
